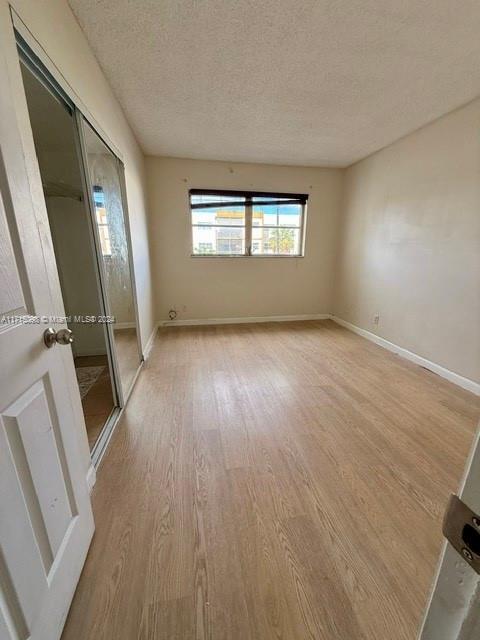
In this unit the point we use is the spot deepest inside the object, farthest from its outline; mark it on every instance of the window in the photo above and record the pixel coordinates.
(247, 223)
(102, 222)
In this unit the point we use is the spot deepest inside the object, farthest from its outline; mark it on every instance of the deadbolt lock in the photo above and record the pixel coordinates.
(461, 527)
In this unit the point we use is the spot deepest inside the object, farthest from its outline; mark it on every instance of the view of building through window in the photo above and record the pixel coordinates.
(102, 221)
(243, 223)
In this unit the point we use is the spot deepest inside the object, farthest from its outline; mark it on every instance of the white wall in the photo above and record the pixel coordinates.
(239, 287)
(409, 245)
(410, 229)
(397, 234)
(55, 28)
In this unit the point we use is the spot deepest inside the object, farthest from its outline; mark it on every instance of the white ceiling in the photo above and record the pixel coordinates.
(307, 82)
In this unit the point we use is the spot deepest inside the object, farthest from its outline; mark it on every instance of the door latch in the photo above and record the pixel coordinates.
(461, 527)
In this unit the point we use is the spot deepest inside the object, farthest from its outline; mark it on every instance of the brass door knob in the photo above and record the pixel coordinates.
(51, 337)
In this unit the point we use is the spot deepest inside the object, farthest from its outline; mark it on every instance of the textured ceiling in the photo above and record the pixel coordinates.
(309, 82)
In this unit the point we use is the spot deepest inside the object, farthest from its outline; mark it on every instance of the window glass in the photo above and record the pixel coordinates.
(213, 240)
(246, 223)
(275, 241)
(219, 216)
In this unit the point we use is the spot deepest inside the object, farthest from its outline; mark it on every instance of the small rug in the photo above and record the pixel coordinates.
(87, 376)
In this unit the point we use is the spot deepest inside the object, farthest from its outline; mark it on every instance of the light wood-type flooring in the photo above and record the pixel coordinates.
(272, 481)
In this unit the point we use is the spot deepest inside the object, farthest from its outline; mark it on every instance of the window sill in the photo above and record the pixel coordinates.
(230, 256)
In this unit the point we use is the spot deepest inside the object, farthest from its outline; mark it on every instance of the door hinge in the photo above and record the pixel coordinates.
(461, 527)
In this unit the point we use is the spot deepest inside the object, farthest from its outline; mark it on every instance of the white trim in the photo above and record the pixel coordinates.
(243, 320)
(91, 478)
(150, 341)
(465, 383)
(124, 325)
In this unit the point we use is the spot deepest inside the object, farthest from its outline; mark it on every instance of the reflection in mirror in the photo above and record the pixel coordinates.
(103, 169)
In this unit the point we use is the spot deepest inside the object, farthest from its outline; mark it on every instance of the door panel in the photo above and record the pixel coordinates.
(32, 436)
(46, 521)
(23, 541)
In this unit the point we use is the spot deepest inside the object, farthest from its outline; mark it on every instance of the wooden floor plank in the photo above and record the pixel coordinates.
(281, 480)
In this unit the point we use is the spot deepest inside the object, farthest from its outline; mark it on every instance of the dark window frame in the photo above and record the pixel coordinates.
(246, 200)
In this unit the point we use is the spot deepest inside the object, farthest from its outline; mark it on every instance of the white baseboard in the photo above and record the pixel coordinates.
(243, 320)
(465, 383)
(90, 352)
(150, 341)
(91, 478)
(124, 325)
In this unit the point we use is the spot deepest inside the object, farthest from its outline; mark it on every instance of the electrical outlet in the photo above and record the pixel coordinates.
(376, 318)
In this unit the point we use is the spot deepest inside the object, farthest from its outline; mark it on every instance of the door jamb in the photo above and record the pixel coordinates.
(452, 611)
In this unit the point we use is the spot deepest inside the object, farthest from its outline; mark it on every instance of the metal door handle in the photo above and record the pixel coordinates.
(51, 337)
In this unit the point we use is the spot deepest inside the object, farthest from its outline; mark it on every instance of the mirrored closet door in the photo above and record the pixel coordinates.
(106, 193)
(83, 186)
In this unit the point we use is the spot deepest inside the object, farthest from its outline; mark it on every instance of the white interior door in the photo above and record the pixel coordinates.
(46, 521)
(454, 608)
